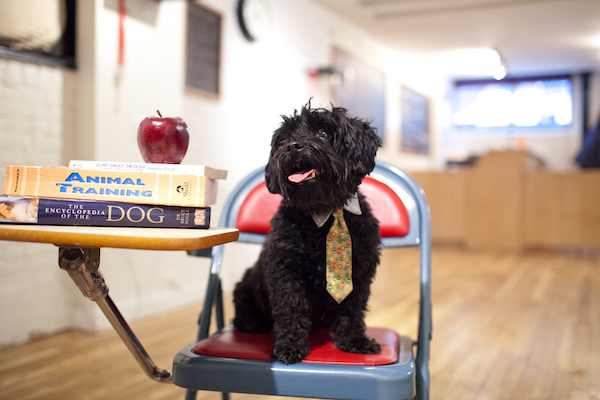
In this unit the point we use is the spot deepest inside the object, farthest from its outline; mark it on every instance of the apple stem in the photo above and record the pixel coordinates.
(159, 114)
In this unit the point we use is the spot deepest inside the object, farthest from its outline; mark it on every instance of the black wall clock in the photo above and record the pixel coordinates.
(253, 17)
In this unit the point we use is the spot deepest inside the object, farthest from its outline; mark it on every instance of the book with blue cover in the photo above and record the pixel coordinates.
(52, 211)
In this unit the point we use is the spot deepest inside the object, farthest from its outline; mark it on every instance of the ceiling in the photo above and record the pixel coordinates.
(533, 37)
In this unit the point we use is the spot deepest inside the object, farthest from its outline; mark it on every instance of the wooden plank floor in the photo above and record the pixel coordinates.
(506, 326)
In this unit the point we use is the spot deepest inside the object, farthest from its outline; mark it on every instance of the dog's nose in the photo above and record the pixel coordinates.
(294, 146)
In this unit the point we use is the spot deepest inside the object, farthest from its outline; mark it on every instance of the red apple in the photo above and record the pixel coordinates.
(163, 140)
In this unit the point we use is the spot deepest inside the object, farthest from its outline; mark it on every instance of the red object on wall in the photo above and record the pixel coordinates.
(122, 16)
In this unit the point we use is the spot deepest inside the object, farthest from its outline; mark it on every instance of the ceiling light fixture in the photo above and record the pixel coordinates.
(499, 70)
(471, 63)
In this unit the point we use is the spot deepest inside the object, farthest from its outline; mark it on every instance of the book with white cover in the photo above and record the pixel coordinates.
(209, 172)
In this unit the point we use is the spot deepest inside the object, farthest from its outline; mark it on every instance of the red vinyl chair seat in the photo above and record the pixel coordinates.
(260, 206)
(231, 343)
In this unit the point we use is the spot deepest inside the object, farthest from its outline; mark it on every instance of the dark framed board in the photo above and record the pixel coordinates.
(361, 89)
(203, 51)
(415, 122)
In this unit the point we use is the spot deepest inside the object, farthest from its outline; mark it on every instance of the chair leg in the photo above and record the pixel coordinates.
(205, 315)
(198, 335)
(219, 314)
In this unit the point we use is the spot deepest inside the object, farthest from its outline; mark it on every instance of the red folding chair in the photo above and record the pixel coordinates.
(230, 361)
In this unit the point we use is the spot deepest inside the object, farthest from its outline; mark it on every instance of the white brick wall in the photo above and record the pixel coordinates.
(32, 287)
(30, 113)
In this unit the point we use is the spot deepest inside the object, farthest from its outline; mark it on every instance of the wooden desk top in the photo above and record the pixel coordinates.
(121, 237)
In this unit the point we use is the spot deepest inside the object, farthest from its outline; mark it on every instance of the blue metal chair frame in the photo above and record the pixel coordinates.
(408, 378)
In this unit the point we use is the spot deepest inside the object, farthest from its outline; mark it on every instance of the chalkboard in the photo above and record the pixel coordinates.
(203, 50)
(361, 90)
(415, 122)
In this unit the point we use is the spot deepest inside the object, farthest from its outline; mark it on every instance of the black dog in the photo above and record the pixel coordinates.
(318, 159)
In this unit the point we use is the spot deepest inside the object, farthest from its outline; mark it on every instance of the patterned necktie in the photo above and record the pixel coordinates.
(339, 258)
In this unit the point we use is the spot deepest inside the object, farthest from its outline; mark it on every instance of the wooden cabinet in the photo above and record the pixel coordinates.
(562, 210)
(508, 202)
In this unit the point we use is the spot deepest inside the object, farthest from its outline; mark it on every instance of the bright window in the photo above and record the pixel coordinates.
(527, 103)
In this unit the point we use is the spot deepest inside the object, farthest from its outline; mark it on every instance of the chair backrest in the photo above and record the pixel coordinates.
(252, 206)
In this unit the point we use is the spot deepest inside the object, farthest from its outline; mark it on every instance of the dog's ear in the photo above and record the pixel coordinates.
(360, 144)
(271, 177)
(271, 170)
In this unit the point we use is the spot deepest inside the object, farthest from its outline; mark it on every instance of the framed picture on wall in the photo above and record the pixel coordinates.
(415, 122)
(361, 89)
(203, 51)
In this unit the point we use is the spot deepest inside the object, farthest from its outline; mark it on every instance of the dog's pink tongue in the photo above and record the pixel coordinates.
(300, 176)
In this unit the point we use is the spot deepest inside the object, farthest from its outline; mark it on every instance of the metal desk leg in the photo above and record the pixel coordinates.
(82, 265)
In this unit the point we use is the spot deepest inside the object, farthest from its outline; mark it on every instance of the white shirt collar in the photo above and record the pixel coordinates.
(352, 205)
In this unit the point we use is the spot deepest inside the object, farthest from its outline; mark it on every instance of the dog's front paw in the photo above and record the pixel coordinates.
(361, 345)
(290, 354)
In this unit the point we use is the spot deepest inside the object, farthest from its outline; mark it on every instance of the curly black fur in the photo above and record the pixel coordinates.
(284, 291)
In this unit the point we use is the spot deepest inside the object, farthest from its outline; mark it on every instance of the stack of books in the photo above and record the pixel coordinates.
(110, 194)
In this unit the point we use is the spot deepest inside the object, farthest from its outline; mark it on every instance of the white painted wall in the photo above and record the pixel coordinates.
(48, 116)
(32, 287)
(95, 118)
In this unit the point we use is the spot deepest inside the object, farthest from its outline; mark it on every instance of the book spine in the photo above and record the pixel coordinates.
(47, 211)
(137, 167)
(129, 187)
(149, 168)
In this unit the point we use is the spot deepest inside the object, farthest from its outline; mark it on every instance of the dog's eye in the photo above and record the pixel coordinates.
(323, 134)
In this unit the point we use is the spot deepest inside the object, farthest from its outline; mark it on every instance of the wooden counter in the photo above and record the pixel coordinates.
(508, 202)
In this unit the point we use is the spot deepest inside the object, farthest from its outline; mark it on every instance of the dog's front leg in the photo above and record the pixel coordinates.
(291, 319)
(349, 329)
